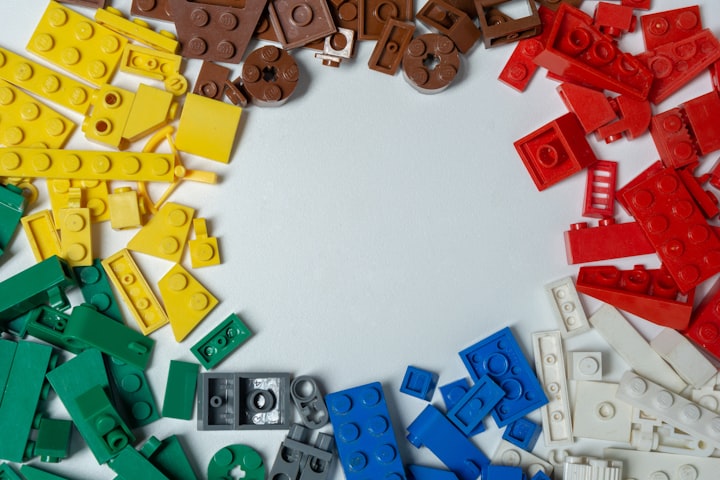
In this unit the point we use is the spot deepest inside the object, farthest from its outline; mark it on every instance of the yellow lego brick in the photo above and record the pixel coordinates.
(111, 107)
(124, 273)
(186, 301)
(152, 109)
(137, 30)
(41, 233)
(204, 250)
(44, 82)
(207, 128)
(94, 192)
(25, 122)
(126, 209)
(149, 63)
(165, 234)
(76, 44)
(86, 164)
(75, 236)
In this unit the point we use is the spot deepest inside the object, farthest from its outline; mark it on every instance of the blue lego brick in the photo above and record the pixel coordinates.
(433, 430)
(364, 434)
(540, 476)
(503, 472)
(523, 433)
(475, 405)
(499, 356)
(418, 472)
(452, 393)
(419, 383)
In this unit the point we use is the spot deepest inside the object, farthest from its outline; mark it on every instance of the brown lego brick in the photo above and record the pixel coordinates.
(467, 6)
(156, 9)
(299, 22)
(372, 15)
(345, 13)
(211, 80)
(269, 76)
(86, 3)
(431, 62)
(215, 33)
(452, 22)
(555, 4)
(389, 49)
(498, 28)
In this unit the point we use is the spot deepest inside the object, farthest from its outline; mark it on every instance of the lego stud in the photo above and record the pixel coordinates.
(199, 17)
(384, 11)
(605, 411)
(57, 17)
(347, 11)
(357, 462)
(7, 96)
(664, 400)
(691, 413)
(84, 31)
(588, 366)
(687, 472)
(197, 46)
(301, 15)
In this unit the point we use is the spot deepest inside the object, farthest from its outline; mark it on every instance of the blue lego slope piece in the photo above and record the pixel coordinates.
(475, 405)
(433, 430)
(418, 472)
(452, 393)
(363, 433)
(419, 383)
(499, 356)
(523, 433)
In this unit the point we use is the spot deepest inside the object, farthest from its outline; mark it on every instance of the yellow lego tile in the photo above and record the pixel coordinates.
(137, 30)
(75, 236)
(41, 234)
(111, 107)
(144, 306)
(149, 63)
(76, 44)
(44, 82)
(204, 250)
(165, 234)
(94, 193)
(25, 122)
(126, 209)
(87, 165)
(152, 109)
(186, 301)
(207, 128)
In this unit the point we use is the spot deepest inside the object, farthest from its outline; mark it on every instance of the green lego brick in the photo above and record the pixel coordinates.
(214, 347)
(23, 391)
(169, 457)
(180, 390)
(12, 206)
(43, 283)
(7, 354)
(131, 393)
(53, 439)
(33, 473)
(130, 464)
(96, 290)
(7, 473)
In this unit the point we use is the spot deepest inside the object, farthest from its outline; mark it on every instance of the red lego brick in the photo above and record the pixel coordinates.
(299, 22)
(269, 76)
(555, 151)
(675, 64)
(450, 21)
(649, 294)
(670, 26)
(607, 241)
(668, 214)
(637, 4)
(157, 9)
(591, 107)
(673, 139)
(499, 28)
(372, 15)
(634, 119)
(421, 76)
(702, 115)
(715, 75)
(704, 328)
(600, 190)
(613, 19)
(579, 52)
(389, 50)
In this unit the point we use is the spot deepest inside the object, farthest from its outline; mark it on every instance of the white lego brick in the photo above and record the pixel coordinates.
(567, 308)
(633, 348)
(550, 370)
(653, 465)
(599, 415)
(671, 408)
(509, 454)
(684, 357)
(585, 366)
(589, 468)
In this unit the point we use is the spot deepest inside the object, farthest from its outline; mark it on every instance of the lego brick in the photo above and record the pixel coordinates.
(522, 433)
(650, 294)
(94, 196)
(699, 113)
(129, 463)
(633, 348)
(566, 307)
(144, 306)
(470, 410)
(165, 235)
(150, 63)
(592, 468)
(669, 407)
(169, 457)
(110, 109)
(614, 20)
(137, 30)
(211, 80)
(77, 44)
(452, 22)
(75, 236)
(186, 301)
(299, 22)
(585, 366)
(297, 459)
(673, 139)
(126, 209)
(670, 26)
(599, 199)
(217, 401)
(633, 119)
(270, 76)
(550, 367)
(12, 207)
(157, 9)
(43, 283)
(500, 357)
(7, 353)
(419, 383)
(373, 14)
(204, 250)
(420, 76)
(309, 402)
(503, 472)
(41, 234)
(555, 151)
(53, 439)
(7, 472)
(364, 434)
(180, 390)
(608, 240)
(234, 457)
(131, 393)
(96, 290)
(151, 110)
(28, 123)
(599, 415)
(683, 357)
(433, 430)
(221, 341)
(203, 118)
(388, 52)
(508, 454)
(32, 473)
(498, 28)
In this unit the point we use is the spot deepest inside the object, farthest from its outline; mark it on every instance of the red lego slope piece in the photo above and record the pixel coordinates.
(634, 119)
(673, 140)
(649, 294)
(670, 26)
(600, 189)
(606, 241)
(613, 19)
(555, 151)
(591, 107)
(703, 117)
(579, 52)
(668, 214)
(704, 328)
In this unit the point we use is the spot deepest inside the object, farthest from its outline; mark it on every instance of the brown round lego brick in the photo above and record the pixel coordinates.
(431, 62)
(270, 76)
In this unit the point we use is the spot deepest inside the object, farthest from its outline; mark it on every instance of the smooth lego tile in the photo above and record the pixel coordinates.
(53, 439)
(599, 415)
(683, 357)
(204, 118)
(179, 397)
(522, 433)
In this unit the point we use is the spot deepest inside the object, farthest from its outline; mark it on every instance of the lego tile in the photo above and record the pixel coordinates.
(550, 367)
(179, 397)
(299, 22)
(585, 366)
(419, 383)
(308, 399)
(75, 236)
(96, 290)
(217, 401)
(165, 235)
(169, 457)
(372, 15)
(670, 26)
(137, 30)
(126, 209)
(599, 415)
(388, 52)
(32, 473)
(683, 357)
(567, 308)
(469, 412)
(420, 76)
(7, 353)
(204, 250)
(203, 118)
(608, 240)
(131, 393)
(270, 76)
(129, 463)
(508, 454)
(498, 28)
(150, 63)
(53, 439)
(231, 457)
(522, 433)
(221, 341)
(450, 21)
(186, 301)
(41, 234)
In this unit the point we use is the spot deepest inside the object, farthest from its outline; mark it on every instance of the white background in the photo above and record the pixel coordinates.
(365, 227)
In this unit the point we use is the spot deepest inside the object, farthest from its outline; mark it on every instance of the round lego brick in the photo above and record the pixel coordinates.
(232, 458)
(270, 76)
(431, 63)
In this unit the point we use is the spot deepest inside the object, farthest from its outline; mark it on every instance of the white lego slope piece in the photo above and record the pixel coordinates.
(671, 408)
(589, 468)
(585, 366)
(509, 454)
(684, 357)
(567, 308)
(652, 465)
(550, 370)
(633, 348)
(599, 415)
